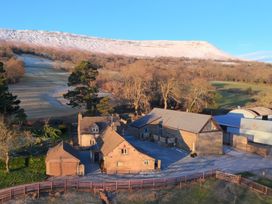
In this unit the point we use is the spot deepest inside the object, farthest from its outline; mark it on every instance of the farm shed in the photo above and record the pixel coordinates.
(63, 160)
(119, 156)
(193, 132)
(262, 113)
(256, 130)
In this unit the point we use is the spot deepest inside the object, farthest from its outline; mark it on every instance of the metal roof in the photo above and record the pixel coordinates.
(244, 123)
(229, 120)
(179, 120)
(261, 111)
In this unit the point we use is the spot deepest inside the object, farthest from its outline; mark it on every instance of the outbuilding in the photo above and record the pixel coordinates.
(63, 160)
(196, 133)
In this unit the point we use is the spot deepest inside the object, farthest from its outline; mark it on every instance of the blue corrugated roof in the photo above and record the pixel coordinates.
(228, 120)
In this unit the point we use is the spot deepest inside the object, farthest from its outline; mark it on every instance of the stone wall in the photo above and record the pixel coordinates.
(210, 143)
(242, 143)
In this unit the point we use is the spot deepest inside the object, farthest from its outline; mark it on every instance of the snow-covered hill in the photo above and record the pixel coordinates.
(145, 48)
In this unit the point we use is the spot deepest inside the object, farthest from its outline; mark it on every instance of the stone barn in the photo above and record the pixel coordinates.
(196, 133)
(119, 156)
(63, 160)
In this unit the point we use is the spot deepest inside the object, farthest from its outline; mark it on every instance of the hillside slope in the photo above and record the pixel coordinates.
(146, 48)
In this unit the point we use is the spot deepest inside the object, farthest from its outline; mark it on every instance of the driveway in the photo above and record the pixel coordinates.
(232, 161)
(167, 155)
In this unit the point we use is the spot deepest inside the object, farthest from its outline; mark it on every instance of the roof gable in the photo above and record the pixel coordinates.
(63, 150)
(111, 140)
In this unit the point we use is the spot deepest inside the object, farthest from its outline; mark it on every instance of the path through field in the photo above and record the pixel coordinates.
(41, 89)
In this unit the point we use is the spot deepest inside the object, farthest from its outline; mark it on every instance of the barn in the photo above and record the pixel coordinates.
(196, 133)
(63, 160)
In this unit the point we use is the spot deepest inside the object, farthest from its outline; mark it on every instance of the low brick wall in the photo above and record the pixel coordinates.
(242, 143)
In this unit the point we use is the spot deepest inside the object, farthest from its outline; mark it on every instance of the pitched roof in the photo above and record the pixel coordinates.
(230, 120)
(261, 111)
(111, 140)
(87, 122)
(63, 150)
(191, 122)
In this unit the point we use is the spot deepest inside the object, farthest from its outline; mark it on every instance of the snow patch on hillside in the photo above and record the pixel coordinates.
(145, 48)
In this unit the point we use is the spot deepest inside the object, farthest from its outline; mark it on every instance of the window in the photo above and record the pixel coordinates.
(119, 163)
(94, 130)
(124, 151)
(146, 162)
(145, 130)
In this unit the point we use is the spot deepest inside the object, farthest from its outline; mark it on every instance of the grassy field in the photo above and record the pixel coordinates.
(233, 94)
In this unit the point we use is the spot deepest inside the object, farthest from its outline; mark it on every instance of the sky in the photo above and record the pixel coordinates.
(238, 27)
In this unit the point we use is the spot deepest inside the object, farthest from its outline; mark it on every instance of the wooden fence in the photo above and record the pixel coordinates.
(153, 183)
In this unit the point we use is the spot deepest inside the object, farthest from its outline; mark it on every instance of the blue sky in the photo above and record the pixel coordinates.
(235, 26)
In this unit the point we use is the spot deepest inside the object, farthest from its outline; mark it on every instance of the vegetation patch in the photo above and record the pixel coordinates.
(212, 191)
(22, 171)
(233, 94)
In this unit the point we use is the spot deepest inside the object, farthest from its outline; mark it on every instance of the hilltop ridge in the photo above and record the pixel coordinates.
(137, 48)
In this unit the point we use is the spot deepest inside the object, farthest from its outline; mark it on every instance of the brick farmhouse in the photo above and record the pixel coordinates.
(119, 156)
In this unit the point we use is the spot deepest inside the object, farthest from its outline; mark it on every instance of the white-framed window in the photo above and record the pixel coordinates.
(146, 162)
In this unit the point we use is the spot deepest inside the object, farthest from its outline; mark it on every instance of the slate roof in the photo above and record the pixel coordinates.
(64, 150)
(191, 122)
(111, 140)
(87, 122)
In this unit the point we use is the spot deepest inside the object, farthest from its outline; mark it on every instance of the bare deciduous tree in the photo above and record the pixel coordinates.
(11, 141)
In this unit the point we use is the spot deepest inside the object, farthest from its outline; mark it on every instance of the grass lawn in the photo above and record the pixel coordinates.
(20, 173)
(235, 94)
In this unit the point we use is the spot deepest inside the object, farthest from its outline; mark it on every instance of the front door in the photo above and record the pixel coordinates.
(96, 157)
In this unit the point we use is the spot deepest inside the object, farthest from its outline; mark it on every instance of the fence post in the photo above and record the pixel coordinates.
(10, 193)
(153, 183)
(129, 185)
(38, 190)
(65, 185)
(116, 185)
(25, 191)
(77, 184)
(180, 182)
(51, 185)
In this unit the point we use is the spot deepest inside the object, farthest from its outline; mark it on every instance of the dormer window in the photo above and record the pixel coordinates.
(94, 130)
